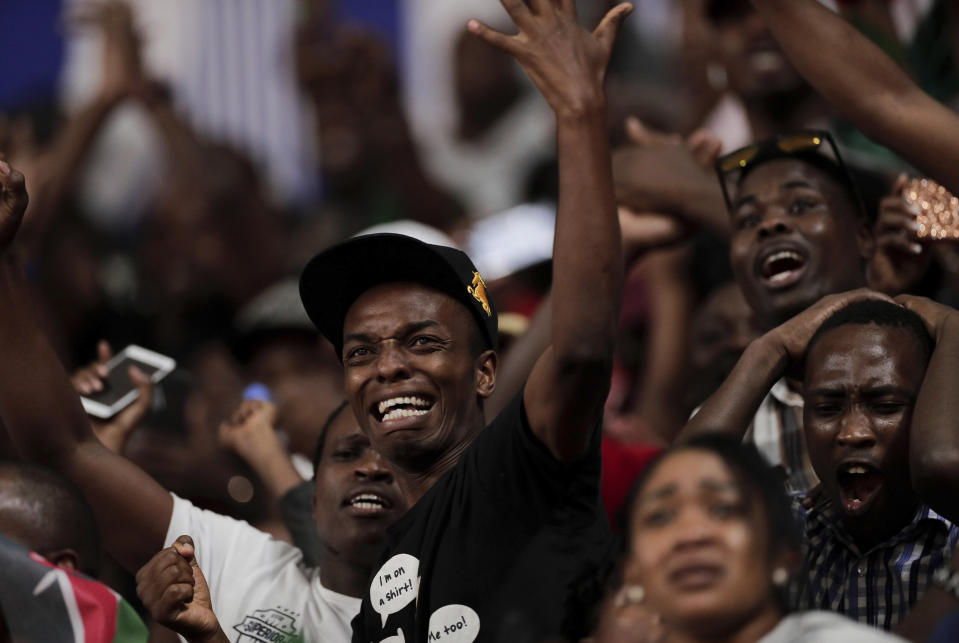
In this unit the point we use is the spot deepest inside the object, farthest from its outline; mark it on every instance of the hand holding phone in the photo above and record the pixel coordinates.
(107, 388)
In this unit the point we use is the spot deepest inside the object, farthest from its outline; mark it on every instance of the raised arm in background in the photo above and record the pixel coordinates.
(659, 172)
(565, 392)
(934, 450)
(42, 412)
(644, 231)
(641, 234)
(866, 86)
(61, 162)
(934, 438)
(251, 433)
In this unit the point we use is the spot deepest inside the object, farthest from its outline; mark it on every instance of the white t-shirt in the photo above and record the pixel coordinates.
(825, 627)
(260, 587)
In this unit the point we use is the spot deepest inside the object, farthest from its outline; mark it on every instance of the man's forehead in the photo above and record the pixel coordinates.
(878, 353)
(399, 304)
(345, 426)
(397, 293)
(779, 174)
(349, 436)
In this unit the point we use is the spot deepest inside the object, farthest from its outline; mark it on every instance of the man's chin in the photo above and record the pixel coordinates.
(776, 308)
(410, 450)
(770, 85)
(873, 523)
(865, 527)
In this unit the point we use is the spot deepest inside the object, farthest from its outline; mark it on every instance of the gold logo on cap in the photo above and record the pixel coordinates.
(478, 290)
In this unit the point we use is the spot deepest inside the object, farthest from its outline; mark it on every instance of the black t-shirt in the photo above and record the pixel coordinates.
(507, 546)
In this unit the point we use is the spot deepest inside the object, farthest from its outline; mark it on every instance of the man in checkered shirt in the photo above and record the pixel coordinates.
(882, 428)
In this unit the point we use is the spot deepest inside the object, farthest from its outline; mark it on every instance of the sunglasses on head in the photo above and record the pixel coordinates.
(806, 143)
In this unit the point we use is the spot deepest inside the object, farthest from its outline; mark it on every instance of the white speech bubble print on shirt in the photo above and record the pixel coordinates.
(394, 585)
(454, 624)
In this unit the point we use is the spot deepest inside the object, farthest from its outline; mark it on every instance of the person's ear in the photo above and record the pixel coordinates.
(65, 559)
(486, 365)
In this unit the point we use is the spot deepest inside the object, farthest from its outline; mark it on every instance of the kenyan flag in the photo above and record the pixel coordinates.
(43, 603)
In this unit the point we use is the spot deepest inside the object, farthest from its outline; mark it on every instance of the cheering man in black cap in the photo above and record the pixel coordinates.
(507, 523)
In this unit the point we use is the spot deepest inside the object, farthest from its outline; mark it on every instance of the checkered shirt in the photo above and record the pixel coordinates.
(777, 432)
(877, 587)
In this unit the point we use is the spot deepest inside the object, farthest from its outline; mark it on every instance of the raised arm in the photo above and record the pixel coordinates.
(42, 413)
(934, 450)
(121, 71)
(866, 85)
(63, 161)
(565, 393)
(641, 233)
(661, 173)
(731, 408)
(250, 432)
(934, 436)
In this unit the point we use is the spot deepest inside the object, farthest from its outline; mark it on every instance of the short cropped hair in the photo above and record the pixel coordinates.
(881, 313)
(54, 513)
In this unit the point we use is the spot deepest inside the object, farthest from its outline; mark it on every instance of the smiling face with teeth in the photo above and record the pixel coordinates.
(796, 238)
(861, 385)
(354, 500)
(416, 373)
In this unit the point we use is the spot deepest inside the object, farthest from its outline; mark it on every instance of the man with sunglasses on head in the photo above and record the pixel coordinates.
(879, 535)
(799, 232)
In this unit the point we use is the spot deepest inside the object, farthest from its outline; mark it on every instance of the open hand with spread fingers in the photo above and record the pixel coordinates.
(566, 62)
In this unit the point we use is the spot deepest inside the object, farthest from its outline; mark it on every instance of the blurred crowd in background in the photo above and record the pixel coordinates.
(185, 158)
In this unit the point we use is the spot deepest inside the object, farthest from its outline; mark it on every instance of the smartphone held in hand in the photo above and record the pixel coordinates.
(119, 391)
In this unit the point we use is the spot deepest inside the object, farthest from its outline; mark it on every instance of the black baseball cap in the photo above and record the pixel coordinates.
(336, 277)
